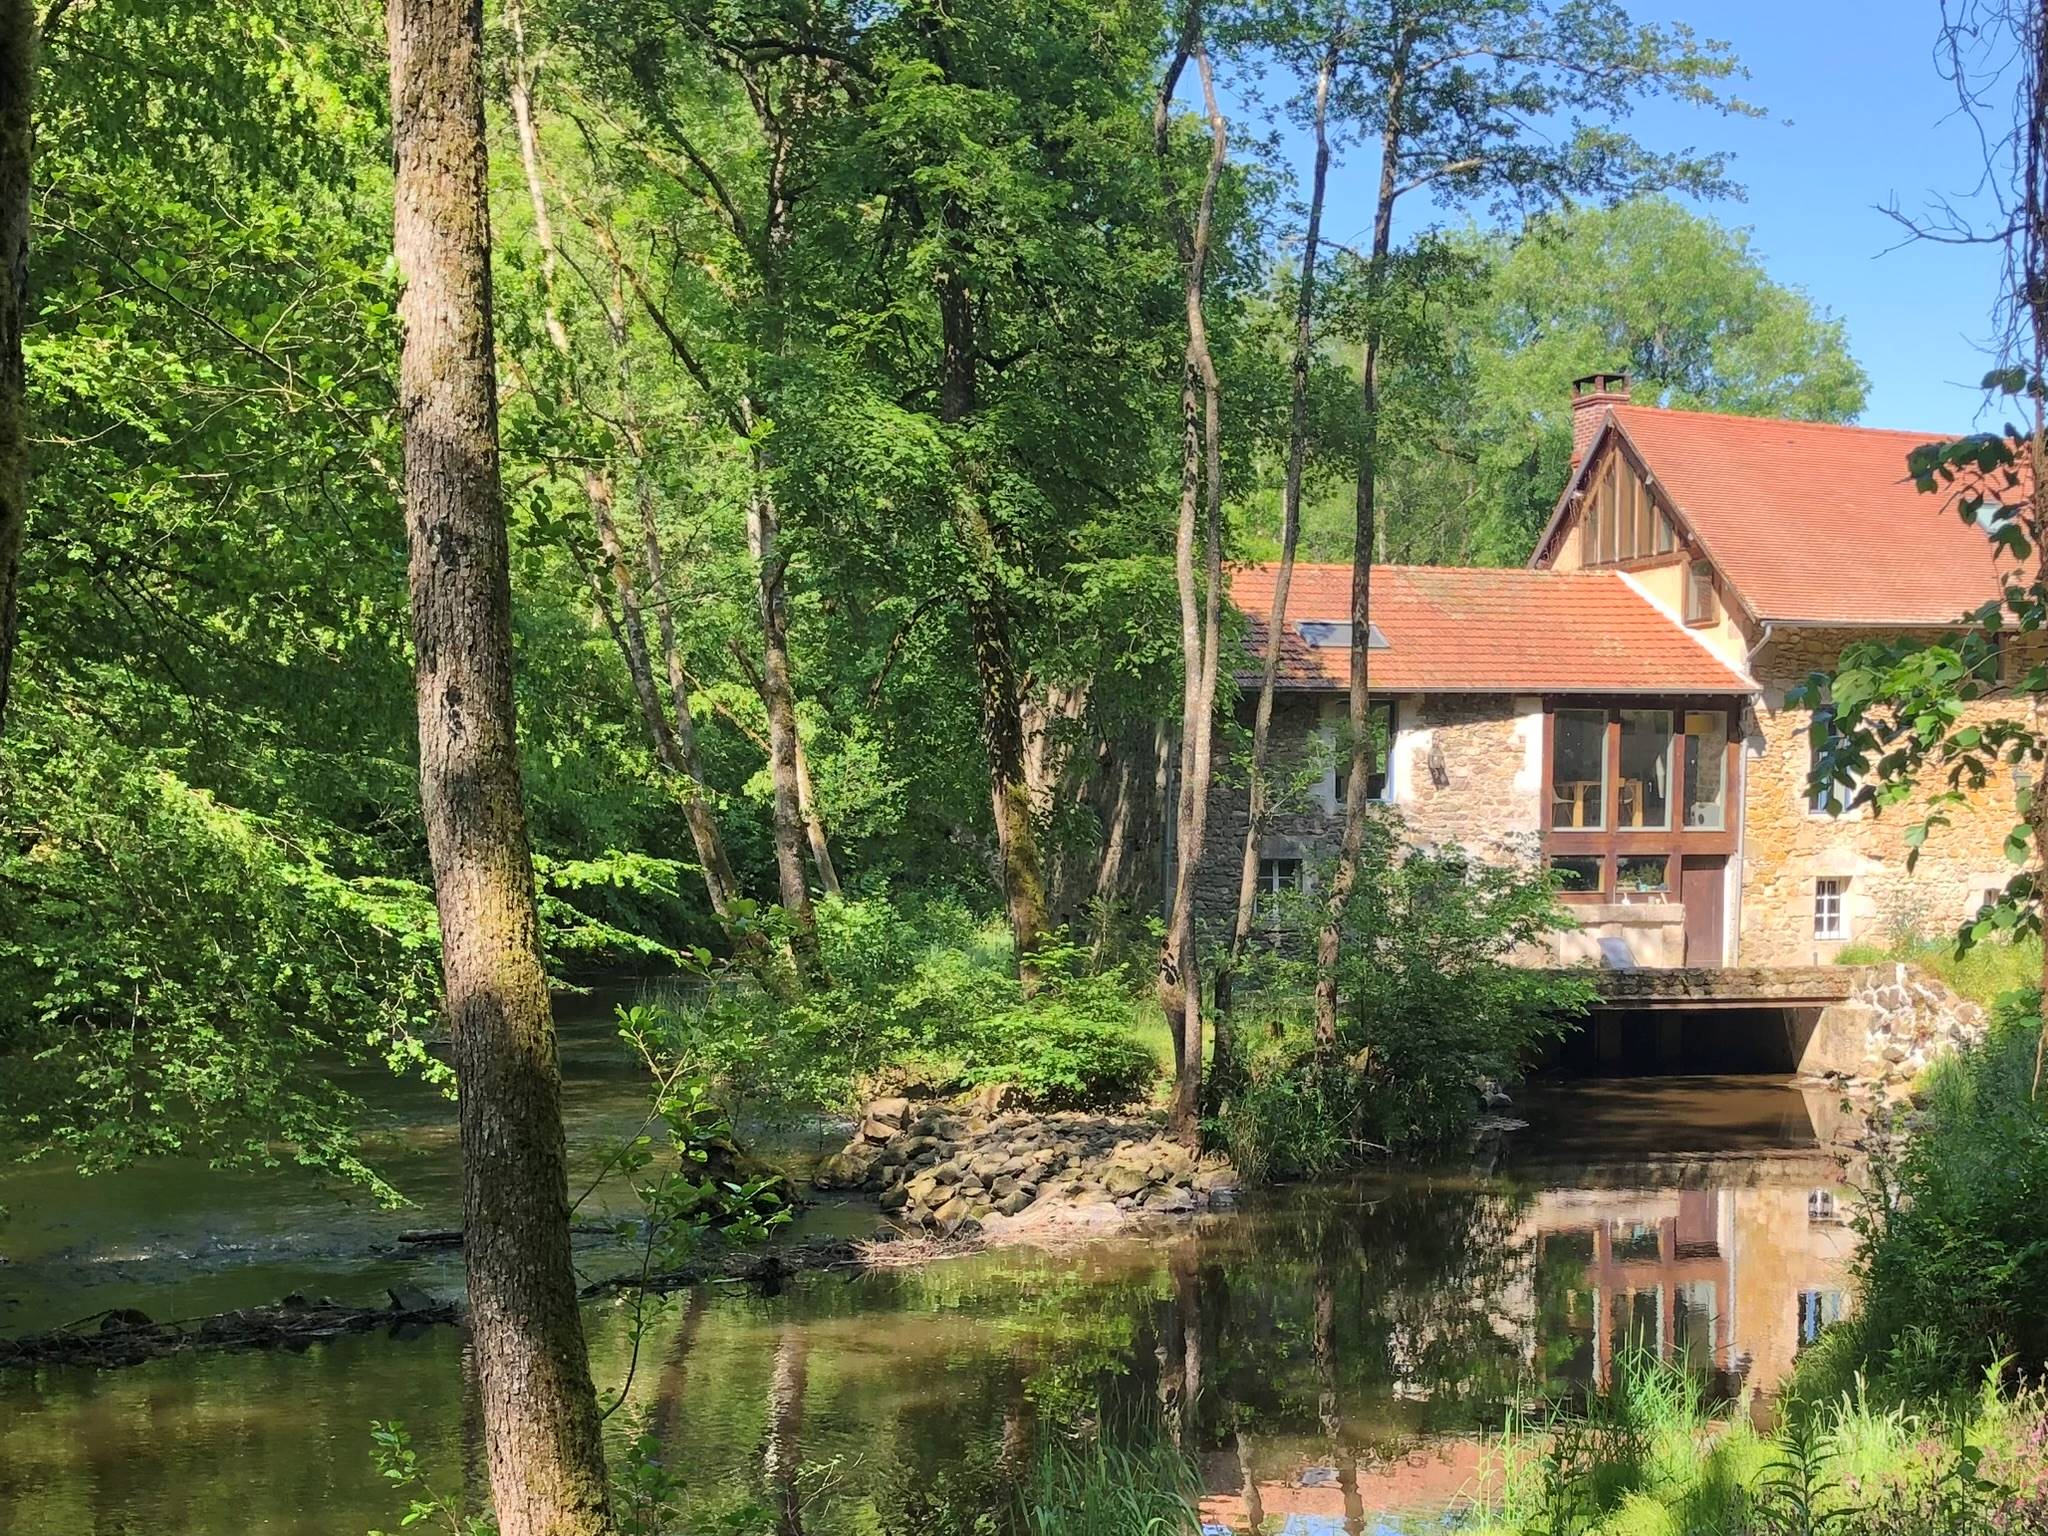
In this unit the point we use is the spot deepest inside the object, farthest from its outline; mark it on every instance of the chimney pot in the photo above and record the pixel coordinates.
(1591, 396)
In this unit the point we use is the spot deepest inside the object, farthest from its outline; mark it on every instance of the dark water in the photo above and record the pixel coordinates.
(1346, 1344)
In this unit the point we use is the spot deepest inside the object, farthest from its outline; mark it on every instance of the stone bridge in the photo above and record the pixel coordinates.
(1867, 1025)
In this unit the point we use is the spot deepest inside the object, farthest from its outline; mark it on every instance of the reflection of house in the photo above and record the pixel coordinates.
(1620, 707)
(1732, 1281)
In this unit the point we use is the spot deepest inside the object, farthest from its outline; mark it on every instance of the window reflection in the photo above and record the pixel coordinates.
(1645, 800)
(1578, 769)
(1706, 771)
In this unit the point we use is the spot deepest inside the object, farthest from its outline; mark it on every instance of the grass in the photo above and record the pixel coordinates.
(1983, 974)
(1652, 1457)
(1094, 1488)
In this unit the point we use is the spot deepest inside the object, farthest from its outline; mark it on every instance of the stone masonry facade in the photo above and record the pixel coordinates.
(1788, 848)
(1464, 769)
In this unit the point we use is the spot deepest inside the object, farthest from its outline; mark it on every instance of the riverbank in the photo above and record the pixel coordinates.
(967, 1168)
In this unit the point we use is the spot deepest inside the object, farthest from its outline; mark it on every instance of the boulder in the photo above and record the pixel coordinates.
(1015, 1201)
(1123, 1180)
(847, 1168)
(891, 1111)
(948, 1217)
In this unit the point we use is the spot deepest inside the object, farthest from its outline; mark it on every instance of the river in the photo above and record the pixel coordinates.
(1350, 1342)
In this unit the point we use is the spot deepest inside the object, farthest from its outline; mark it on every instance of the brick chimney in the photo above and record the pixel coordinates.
(1591, 396)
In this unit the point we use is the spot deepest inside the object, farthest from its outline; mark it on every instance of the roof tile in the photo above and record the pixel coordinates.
(1455, 630)
(1813, 522)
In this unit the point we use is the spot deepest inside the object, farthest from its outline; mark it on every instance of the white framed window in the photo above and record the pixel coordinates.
(1830, 908)
(1830, 800)
(1380, 782)
(1821, 1210)
(1277, 875)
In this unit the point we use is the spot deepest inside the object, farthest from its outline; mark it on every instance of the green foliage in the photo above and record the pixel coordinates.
(1982, 972)
(1098, 1487)
(1430, 1006)
(922, 994)
(1954, 1259)
(1679, 301)
(694, 1179)
(1652, 1455)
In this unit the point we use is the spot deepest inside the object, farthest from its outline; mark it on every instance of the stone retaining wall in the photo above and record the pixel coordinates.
(1896, 1022)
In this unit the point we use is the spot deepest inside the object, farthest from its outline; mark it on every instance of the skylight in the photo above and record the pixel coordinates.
(1335, 634)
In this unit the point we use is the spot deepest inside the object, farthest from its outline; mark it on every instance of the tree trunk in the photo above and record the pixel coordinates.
(540, 1413)
(18, 47)
(1344, 876)
(1179, 980)
(764, 532)
(999, 686)
(1290, 534)
(814, 822)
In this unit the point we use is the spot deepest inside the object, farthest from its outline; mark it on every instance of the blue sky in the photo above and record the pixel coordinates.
(1858, 116)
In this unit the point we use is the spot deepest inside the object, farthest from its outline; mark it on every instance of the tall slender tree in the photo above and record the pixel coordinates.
(1201, 489)
(1458, 96)
(540, 1412)
(1329, 49)
(620, 601)
(20, 30)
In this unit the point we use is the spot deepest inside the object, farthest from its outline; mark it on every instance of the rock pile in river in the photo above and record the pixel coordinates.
(953, 1171)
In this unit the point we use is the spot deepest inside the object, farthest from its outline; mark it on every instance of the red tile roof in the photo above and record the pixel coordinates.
(1812, 522)
(1486, 631)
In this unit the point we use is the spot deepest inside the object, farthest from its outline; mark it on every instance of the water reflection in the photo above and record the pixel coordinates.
(1330, 1355)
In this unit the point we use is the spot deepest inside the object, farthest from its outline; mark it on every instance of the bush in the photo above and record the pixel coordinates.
(1430, 1006)
(1954, 1263)
(922, 996)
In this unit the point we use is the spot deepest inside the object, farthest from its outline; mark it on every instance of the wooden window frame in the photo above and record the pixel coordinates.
(1701, 616)
(1612, 843)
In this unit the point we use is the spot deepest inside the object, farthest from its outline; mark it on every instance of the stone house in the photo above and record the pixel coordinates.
(1619, 708)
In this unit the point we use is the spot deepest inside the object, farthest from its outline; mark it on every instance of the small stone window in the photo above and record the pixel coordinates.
(1830, 908)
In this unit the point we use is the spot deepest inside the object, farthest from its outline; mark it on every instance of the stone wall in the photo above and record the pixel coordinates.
(1895, 1022)
(1787, 848)
(1464, 769)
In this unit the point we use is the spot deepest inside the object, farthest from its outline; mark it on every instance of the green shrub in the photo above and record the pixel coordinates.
(1430, 1005)
(922, 996)
(1954, 1263)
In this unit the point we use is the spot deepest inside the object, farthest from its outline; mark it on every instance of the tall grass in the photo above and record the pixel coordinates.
(1092, 1487)
(1652, 1457)
(1983, 973)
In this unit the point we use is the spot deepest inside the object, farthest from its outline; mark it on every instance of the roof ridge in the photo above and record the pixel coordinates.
(1404, 569)
(1917, 435)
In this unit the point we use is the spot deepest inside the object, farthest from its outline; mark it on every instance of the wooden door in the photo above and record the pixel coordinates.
(1703, 889)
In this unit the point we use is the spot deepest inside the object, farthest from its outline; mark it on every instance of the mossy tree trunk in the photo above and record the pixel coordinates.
(540, 1413)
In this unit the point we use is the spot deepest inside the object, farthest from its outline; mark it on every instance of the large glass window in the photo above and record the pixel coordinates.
(1645, 799)
(1706, 771)
(1580, 874)
(1645, 876)
(1578, 769)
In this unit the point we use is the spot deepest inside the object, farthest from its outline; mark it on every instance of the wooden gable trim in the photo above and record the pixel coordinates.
(1613, 438)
